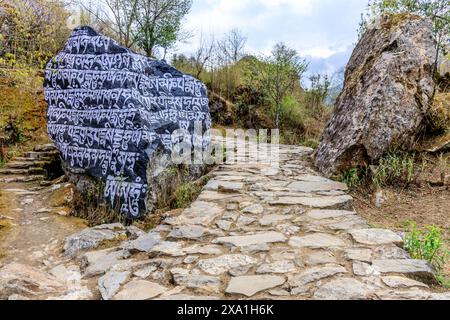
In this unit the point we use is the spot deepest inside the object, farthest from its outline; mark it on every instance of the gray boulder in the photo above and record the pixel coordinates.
(387, 91)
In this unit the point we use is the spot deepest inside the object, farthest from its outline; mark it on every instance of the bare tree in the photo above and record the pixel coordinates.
(232, 45)
(203, 55)
(119, 16)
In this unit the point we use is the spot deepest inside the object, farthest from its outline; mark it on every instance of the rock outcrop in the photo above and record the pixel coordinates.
(114, 114)
(387, 92)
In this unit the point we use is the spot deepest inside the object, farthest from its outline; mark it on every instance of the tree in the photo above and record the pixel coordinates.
(159, 23)
(32, 30)
(203, 55)
(232, 46)
(146, 25)
(437, 10)
(279, 74)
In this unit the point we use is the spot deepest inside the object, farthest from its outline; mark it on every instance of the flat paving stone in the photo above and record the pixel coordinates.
(317, 240)
(315, 202)
(329, 214)
(241, 285)
(344, 289)
(315, 186)
(243, 241)
(140, 290)
(376, 237)
(221, 264)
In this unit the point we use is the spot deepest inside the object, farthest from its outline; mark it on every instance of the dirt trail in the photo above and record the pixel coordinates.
(34, 232)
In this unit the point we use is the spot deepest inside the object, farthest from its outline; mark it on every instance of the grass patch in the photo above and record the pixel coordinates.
(428, 244)
(186, 194)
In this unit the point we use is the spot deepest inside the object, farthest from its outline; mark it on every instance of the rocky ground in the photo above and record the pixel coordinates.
(256, 231)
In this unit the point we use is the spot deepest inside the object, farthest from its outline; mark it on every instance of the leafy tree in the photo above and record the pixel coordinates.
(159, 23)
(32, 30)
(146, 25)
(279, 74)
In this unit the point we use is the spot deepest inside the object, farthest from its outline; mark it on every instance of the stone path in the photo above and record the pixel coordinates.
(255, 232)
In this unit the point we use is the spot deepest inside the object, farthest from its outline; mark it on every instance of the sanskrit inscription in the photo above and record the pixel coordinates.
(110, 110)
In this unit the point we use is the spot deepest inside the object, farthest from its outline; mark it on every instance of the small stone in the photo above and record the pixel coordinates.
(220, 265)
(376, 237)
(314, 274)
(317, 240)
(402, 282)
(316, 186)
(408, 266)
(140, 290)
(363, 269)
(391, 252)
(344, 289)
(91, 238)
(143, 243)
(329, 214)
(279, 293)
(206, 250)
(167, 248)
(243, 241)
(190, 259)
(239, 271)
(255, 248)
(224, 225)
(253, 209)
(185, 297)
(21, 279)
(283, 266)
(244, 221)
(187, 232)
(99, 262)
(183, 277)
(145, 272)
(364, 255)
(288, 229)
(110, 283)
(315, 202)
(413, 294)
(241, 285)
(274, 219)
(321, 257)
(224, 186)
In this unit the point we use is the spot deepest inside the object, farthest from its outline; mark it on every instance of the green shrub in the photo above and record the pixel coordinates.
(394, 168)
(185, 194)
(428, 244)
(351, 178)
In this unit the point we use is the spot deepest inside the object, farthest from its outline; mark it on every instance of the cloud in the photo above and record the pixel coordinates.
(320, 30)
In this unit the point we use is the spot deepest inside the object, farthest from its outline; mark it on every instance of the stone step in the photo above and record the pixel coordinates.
(22, 179)
(41, 155)
(25, 164)
(27, 159)
(30, 171)
(45, 147)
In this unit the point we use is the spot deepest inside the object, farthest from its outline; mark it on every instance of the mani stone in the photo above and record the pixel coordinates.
(376, 237)
(251, 285)
(388, 88)
(244, 241)
(112, 114)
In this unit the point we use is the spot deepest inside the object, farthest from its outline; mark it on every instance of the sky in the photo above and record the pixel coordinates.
(322, 31)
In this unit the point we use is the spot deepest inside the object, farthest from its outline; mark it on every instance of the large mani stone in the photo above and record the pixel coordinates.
(111, 111)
